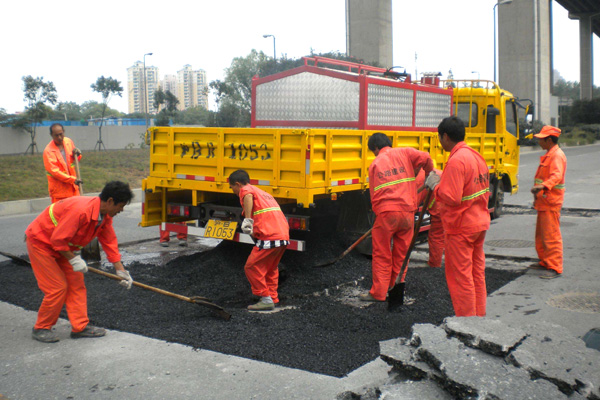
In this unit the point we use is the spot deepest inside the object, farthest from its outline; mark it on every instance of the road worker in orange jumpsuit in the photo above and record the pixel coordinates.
(463, 191)
(394, 201)
(53, 236)
(59, 161)
(549, 193)
(267, 225)
(436, 237)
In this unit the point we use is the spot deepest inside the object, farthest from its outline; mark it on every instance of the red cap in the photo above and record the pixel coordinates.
(548, 130)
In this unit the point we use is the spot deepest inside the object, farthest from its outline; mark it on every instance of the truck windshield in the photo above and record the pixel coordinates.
(511, 117)
(462, 112)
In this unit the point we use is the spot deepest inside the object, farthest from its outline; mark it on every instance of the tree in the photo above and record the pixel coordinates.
(91, 109)
(170, 111)
(197, 115)
(68, 111)
(107, 87)
(36, 93)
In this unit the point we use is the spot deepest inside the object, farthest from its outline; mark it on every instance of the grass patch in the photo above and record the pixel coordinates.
(24, 177)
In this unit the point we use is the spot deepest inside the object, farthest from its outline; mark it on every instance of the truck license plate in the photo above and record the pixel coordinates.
(220, 229)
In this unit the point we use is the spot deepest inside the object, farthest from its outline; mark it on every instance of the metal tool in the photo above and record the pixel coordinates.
(396, 295)
(91, 251)
(348, 250)
(201, 301)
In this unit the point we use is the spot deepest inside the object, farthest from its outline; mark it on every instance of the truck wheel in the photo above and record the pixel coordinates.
(498, 199)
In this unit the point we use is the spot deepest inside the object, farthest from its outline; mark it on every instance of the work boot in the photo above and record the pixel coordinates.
(44, 335)
(261, 306)
(164, 244)
(89, 332)
(183, 242)
(550, 274)
(367, 297)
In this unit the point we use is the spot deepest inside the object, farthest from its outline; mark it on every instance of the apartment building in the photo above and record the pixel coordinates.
(138, 98)
(189, 85)
(192, 88)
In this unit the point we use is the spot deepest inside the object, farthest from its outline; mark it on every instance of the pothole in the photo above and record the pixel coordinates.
(510, 243)
(577, 301)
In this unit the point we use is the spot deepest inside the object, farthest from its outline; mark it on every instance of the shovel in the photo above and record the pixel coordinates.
(396, 295)
(348, 250)
(201, 301)
(91, 251)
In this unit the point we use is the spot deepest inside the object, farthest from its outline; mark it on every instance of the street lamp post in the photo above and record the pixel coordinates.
(146, 91)
(499, 3)
(274, 52)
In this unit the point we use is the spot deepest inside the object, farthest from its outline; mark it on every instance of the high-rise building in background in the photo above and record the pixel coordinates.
(138, 97)
(190, 86)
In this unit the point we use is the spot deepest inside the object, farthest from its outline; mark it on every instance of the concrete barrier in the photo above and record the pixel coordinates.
(16, 141)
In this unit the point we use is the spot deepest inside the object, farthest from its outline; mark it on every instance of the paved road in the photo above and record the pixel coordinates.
(126, 366)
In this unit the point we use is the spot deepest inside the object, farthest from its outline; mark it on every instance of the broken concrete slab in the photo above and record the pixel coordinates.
(400, 354)
(467, 372)
(486, 334)
(550, 352)
(411, 390)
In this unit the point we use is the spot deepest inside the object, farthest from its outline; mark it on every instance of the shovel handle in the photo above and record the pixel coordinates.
(415, 234)
(78, 174)
(196, 300)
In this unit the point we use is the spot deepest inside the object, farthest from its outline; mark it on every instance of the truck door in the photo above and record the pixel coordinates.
(511, 149)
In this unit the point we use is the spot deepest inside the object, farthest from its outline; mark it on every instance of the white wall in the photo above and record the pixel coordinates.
(14, 141)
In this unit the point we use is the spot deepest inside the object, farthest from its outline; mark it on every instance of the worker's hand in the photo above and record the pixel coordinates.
(432, 180)
(248, 226)
(76, 152)
(78, 182)
(127, 281)
(78, 264)
(537, 188)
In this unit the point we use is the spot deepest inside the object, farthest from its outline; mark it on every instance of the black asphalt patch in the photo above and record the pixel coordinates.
(318, 330)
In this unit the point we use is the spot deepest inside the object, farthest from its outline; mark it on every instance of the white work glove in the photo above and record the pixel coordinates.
(248, 226)
(78, 264)
(432, 180)
(127, 281)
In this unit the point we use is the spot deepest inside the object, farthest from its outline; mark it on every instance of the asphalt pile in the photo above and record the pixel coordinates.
(316, 329)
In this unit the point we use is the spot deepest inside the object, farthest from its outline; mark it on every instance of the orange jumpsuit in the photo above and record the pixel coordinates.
(272, 234)
(463, 192)
(393, 200)
(66, 225)
(548, 202)
(60, 173)
(435, 236)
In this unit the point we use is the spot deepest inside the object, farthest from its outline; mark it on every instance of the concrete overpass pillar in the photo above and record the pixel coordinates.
(369, 31)
(586, 74)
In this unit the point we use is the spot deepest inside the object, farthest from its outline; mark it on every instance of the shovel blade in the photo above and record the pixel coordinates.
(91, 251)
(396, 297)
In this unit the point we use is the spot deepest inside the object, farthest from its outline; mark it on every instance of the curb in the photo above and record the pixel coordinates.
(35, 206)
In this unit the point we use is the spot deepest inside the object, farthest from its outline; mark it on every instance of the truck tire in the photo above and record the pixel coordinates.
(498, 199)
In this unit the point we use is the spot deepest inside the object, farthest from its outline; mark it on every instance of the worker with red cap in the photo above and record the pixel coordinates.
(435, 236)
(394, 201)
(267, 225)
(52, 238)
(549, 192)
(463, 191)
(59, 161)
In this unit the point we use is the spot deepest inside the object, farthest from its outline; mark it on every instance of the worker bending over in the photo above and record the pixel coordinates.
(59, 161)
(393, 200)
(60, 229)
(549, 193)
(267, 225)
(463, 192)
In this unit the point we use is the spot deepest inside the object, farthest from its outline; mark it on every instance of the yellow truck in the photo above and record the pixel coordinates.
(308, 147)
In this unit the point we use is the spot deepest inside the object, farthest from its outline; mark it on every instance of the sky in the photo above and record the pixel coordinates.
(72, 43)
